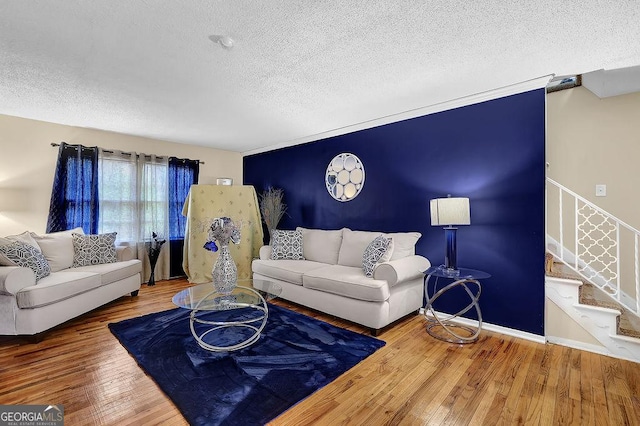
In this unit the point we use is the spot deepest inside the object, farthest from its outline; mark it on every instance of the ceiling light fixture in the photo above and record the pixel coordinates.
(223, 40)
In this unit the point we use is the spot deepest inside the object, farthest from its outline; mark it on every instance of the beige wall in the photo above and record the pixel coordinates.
(559, 325)
(596, 141)
(27, 165)
(593, 141)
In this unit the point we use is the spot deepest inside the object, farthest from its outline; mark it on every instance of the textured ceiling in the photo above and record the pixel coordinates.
(297, 68)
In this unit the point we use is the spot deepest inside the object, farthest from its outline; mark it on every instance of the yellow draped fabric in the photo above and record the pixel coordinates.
(207, 202)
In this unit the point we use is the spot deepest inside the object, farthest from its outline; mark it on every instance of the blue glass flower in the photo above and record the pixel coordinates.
(211, 246)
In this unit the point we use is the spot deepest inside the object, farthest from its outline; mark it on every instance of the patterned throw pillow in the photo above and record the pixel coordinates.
(94, 249)
(286, 245)
(18, 253)
(379, 250)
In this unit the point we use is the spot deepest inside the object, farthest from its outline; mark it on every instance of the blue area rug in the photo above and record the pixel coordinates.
(295, 356)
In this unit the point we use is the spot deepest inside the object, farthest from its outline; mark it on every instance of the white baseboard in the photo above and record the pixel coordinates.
(494, 328)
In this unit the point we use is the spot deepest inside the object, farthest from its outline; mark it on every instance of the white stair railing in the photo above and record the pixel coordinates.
(598, 246)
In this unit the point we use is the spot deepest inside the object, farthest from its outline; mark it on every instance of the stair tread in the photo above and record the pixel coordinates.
(592, 295)
(629, 325)
(560, 270)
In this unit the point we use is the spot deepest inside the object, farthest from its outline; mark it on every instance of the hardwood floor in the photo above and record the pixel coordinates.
(414, 379)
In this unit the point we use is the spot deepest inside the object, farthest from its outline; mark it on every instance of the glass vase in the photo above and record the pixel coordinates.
(225, 272)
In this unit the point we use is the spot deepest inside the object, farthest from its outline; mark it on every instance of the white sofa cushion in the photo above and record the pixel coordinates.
(125, 252)
(346, 281)
(353, 246)
(321, 245)
(56, 287)
(57, 248)
(111, 272)
(404, 244)
(290, 271)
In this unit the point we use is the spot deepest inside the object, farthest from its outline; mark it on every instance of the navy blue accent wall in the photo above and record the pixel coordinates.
(491, 152)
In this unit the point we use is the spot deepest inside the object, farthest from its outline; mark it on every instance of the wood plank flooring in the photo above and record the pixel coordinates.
(413, 380)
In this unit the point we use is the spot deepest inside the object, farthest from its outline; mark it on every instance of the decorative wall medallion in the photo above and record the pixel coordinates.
(345, 177)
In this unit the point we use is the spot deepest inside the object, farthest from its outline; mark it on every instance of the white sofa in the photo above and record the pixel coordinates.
(331, 278)
(29, 306)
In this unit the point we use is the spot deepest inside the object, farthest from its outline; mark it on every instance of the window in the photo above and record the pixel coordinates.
(134, 197)
(129, 193)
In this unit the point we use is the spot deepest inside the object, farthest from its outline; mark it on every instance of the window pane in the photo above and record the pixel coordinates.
(118, 205)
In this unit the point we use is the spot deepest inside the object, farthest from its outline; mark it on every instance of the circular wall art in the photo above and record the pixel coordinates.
(345, 177)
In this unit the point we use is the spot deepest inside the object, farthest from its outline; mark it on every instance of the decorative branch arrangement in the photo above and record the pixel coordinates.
(271, 207)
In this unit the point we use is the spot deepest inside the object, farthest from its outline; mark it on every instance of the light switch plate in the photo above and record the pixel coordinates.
(601, 190)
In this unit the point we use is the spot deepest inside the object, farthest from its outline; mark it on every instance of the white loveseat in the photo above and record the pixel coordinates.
(29, 306)
(331, 278)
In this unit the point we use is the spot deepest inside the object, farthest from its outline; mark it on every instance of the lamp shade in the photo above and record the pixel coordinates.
(450, 211)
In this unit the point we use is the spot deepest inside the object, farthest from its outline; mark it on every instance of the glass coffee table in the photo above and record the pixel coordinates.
(245, 315)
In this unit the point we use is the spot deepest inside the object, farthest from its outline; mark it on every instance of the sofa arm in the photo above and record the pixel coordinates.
(124, 253)
(15, 278)
(400, 270)
(265, 252)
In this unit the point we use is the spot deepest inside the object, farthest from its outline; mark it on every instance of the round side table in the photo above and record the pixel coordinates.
(444, 328)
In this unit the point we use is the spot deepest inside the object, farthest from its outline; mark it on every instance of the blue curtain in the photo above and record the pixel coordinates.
(74, 197)
(182, 174)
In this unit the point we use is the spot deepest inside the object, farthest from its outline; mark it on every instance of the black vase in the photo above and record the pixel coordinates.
(152, 279)
(153, 260)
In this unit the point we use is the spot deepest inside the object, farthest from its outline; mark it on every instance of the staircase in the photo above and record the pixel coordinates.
(614, 327)
(593, 281)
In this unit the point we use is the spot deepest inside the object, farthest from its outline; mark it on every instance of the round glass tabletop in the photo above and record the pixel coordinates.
(206, 298)
(460, 273)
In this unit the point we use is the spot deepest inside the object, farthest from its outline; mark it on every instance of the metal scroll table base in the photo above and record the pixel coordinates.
(254, 324)
(445, 325)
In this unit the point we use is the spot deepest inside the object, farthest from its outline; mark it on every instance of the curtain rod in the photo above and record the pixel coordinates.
(126, 153)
